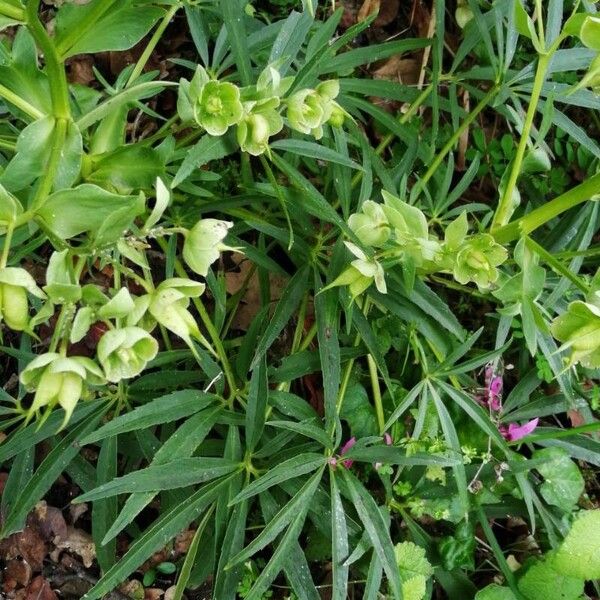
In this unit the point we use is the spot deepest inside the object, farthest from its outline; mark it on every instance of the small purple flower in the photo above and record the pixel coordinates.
(515, 432)
(494, 393)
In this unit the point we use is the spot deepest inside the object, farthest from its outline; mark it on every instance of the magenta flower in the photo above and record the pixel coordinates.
(348, 462)
(515, 432)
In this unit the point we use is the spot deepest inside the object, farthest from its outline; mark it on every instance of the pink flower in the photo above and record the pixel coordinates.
(348, 462)
(494, 393)
(515, 432)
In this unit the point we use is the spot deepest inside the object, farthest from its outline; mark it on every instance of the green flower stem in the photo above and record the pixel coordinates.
(504, 209)
(55, 69)
(13, 12)
(21, 104)
(455, 137)
(556, 265)
(376, 393)
(6, 247)
(212, 332)
(45, 187)
(141, 63)
(84, 25)
(538, 217)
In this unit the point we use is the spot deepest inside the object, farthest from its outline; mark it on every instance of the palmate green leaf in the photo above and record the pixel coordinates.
(48, 472)
(178, 473)
(109, 25)
(23, 439)
(157, 535)
(307, 428)
(180, 444)
(397, 456)
(104, 511)
(161, 410)
(454, 444)
(279, 558)
(296, 568)
(339, 542)
(233, 18)
(227, 579)
(299, 503)
(207, 149)
(286, 307)
(257, 404)
(293, 467)
(377, 530)
(314, 202)
(313, 150)
(289, 40)
(190, 557)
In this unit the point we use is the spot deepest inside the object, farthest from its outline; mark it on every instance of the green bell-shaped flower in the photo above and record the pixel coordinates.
(169, 307)
(477, 260)
(579, 330)
(204, 243)
(261, 122)
(124, 353)
(361, 273)
(308, 110)
(371, 226)
(59, 380)
(15, 283)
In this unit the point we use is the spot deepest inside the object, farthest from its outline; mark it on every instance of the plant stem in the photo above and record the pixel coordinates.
(7, 242)
(454, 139)
(21, 104)
(556, 265)
(280, 197)
(45, 187)
(538, 217)
(141, 63)
(376, 393)
(505, 206)
(57, 77)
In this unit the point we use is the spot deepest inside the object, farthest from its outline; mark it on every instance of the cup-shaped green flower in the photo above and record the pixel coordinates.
(477, 260)
(308, 110)
(169, 306)
(592, 78)
(371, 226)
(124, 353)
(579, 330)
(214, 105)
(261, 122)
(204, 243)
(15, 283)
(59, 380)
(361, 273)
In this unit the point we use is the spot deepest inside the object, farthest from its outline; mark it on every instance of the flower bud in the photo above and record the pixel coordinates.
(124, 353)
(14, 307)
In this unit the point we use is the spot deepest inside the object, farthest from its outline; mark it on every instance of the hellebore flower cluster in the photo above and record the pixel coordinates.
(397, 230)
(256, 110)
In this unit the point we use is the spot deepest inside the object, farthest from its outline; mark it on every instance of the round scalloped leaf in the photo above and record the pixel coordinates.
(579, 555)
